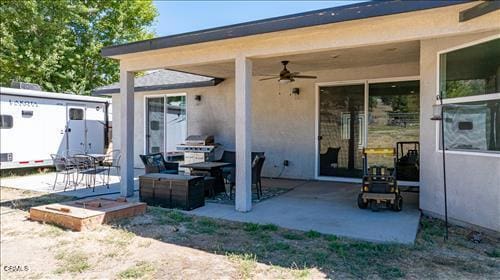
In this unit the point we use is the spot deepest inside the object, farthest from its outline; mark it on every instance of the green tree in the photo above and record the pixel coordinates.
(57, 43)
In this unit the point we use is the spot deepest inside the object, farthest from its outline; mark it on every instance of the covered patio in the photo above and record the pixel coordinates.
(267, 117)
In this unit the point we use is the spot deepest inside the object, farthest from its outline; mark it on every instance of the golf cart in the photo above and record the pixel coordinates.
(380, 186)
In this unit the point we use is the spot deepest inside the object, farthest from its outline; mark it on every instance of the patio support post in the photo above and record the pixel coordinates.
(127, 133)
(243, 131)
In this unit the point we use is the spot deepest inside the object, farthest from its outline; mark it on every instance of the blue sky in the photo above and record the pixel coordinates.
(183, 16)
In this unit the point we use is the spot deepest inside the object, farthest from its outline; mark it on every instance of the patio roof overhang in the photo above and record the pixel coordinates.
(312, 18)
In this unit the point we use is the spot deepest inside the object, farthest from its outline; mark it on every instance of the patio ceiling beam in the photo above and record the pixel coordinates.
(127, 132)
(243, 131)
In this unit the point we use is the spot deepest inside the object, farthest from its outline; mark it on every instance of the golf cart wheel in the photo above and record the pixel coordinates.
(374, 206)
(398, 203)
(361, 203)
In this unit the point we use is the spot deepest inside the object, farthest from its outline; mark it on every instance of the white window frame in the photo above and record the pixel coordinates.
(465, 99)
(164, 95)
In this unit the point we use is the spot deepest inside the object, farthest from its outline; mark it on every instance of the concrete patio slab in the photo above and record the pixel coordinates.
(328, 208)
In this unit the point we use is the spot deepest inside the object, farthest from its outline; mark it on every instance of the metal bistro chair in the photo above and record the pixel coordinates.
(112, 160)
(89, 168)
(66, 168)
(156, 163)
(257, 165)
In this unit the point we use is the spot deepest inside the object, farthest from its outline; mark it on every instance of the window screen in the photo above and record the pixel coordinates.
(76, 114)
(473, 126)
(6, 121)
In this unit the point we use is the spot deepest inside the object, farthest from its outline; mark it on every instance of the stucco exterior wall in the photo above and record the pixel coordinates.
(473, 180)
(283, 125)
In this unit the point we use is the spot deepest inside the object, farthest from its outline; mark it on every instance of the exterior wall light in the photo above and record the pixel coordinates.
(295, 91)
(197, 98)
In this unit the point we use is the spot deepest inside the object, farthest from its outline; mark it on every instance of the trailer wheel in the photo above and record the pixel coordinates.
(398, 203)
(361, 203)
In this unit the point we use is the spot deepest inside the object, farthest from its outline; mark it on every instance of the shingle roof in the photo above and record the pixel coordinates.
(162, 80)
(312, 18)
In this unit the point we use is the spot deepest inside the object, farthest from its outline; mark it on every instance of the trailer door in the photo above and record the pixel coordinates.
(75, 129)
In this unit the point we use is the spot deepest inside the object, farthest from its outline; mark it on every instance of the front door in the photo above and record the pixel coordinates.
(75, 129)
(341, 130)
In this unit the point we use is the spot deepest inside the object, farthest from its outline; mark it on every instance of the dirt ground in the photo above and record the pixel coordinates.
(166, 244)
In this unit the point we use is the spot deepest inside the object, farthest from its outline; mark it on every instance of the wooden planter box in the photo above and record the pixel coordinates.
(172, 191)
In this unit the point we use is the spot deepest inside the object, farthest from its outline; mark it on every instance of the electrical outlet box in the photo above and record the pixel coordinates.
(286, 163)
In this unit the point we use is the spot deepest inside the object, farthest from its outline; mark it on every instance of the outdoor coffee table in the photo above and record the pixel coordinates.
(215, 171)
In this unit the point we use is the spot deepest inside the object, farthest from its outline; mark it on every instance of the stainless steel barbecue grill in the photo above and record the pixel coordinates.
(199, 148)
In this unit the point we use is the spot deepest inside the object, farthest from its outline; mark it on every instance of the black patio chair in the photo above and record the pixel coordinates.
(229, 171)
(329, 160)
(64, 167)
(156, 163)
(257, 165)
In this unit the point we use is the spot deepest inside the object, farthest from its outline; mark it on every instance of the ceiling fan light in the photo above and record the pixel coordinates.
(284, 81)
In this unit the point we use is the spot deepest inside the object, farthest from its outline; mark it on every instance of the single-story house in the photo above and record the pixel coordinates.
(373, 72)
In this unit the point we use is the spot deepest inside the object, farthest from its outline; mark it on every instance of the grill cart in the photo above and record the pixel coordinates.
(380, 186)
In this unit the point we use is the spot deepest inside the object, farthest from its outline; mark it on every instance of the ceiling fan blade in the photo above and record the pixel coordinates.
(269, 78)
(304, 77)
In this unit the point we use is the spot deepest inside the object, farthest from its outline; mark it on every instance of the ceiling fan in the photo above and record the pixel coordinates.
(286, 76)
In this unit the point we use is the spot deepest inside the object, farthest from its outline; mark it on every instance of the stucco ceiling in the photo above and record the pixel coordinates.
(402, 52)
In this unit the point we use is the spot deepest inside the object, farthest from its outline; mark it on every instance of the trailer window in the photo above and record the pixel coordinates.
(75, 114)
(27, 114)
(6, 121)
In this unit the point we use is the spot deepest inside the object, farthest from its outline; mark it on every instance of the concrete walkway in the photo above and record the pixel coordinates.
(325, 207)
(329, 208)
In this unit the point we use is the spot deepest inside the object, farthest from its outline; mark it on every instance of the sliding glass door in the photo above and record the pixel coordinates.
(341, 130)
(346, 123)
(166, 123)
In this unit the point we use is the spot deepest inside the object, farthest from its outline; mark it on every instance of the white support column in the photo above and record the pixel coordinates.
(243, 131)
(127, 133)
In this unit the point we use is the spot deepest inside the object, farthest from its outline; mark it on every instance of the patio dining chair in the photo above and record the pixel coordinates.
(156, 163)
(66, 168)
(257, 165)
(229, 171)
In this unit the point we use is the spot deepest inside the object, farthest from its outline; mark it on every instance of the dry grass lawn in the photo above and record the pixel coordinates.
(166, 244)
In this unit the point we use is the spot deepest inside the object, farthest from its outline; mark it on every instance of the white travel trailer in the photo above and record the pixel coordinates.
(35, 124)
